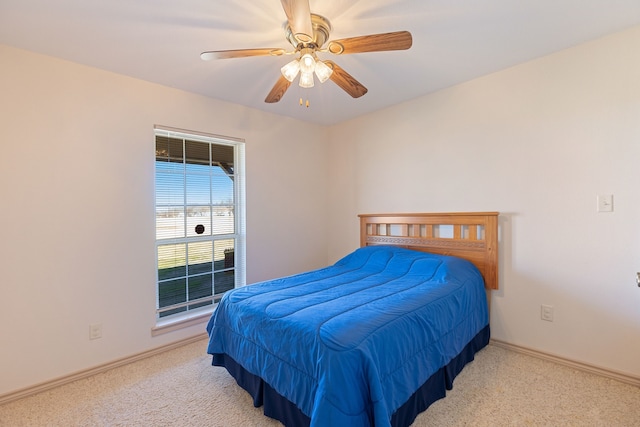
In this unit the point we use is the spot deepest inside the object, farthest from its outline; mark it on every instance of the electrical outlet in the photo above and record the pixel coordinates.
(546, 313)
(95, 331)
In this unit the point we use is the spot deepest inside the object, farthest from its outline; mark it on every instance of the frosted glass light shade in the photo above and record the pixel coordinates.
(306, 79)
(307, 63)
(323, 71)
(290, 71)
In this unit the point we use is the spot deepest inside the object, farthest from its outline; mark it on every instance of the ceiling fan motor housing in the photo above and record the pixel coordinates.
(321, 30)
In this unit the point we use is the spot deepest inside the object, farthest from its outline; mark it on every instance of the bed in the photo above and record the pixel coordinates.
(373, 339)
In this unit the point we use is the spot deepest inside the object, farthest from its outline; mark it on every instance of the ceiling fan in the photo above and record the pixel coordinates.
(308, 33)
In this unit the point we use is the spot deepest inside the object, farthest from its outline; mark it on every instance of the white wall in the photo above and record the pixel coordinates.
(77, 213)
(536, 142)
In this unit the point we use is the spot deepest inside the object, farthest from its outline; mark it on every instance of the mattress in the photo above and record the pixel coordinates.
(351, 343)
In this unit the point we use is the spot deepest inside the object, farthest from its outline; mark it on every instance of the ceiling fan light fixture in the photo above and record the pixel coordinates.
(291, 70)
(306, 80)
(323, 71)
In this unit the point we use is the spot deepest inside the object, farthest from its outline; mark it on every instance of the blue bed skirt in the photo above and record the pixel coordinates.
(281, 409)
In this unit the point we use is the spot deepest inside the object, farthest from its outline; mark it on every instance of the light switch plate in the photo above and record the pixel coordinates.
(605, 203)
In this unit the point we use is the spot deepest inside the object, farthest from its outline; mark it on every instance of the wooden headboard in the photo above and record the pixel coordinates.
(469, 235)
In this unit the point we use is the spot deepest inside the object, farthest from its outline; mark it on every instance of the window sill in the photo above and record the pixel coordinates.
(175, 323)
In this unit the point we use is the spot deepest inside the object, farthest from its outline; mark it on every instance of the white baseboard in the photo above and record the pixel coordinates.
(28, 391)
(608, 373)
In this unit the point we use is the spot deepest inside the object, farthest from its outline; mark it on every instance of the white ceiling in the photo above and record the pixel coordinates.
(453, 41)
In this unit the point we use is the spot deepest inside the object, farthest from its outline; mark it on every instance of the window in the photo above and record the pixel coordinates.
(199, 188)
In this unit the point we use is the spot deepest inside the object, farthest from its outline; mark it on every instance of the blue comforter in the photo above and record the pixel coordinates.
(350, 343)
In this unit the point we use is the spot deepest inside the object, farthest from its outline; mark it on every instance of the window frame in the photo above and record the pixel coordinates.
(194, 316)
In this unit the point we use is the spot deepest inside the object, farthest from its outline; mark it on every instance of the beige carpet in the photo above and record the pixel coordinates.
(181, 388)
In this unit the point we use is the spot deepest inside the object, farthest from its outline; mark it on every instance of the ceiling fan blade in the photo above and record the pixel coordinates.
(399, 40)
(278, 90)
(299, 17)
(346, 81)
(240, 53)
